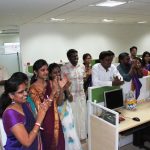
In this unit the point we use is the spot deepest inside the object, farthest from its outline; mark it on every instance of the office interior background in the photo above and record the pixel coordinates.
(47, 29)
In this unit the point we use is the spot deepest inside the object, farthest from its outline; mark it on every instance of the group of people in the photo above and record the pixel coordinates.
(134, 67)
(105, 73)
(49, 113)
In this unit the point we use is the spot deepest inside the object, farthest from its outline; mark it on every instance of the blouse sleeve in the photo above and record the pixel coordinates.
(11, 118)
(35, 96)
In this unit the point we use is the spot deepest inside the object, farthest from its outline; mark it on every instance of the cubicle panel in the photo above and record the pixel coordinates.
(30, 69)
(103, 135)
(94, 61)
(102, 128)
(145, 89)
(97, 93)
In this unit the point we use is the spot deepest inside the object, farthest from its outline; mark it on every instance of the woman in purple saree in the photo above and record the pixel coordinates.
(52, 135)
(28, 121)
(19, 124)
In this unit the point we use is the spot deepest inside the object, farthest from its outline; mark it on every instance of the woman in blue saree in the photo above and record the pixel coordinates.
(62, 85)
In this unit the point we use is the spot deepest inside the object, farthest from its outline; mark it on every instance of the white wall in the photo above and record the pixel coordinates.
(51, 41)
(7, 38)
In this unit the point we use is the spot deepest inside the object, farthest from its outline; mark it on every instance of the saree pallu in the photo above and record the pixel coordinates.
(52, 135)
(72, 141)
(136, 86)
(29, 122)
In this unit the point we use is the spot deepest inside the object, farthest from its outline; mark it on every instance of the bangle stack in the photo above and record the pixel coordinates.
(39, 125)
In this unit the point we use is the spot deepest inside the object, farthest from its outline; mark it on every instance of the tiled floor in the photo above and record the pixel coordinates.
(131, 147)
(127, 147)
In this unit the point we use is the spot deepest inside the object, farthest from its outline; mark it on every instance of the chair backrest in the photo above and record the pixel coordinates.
(94, 61)
(30, 69)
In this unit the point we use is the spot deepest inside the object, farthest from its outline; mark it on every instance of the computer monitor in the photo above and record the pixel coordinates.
(113, 99)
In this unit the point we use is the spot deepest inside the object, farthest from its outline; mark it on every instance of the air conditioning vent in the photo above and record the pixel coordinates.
(9, 31)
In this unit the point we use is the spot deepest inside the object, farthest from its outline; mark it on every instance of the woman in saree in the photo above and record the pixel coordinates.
(22, 76)
(52, 135)
(72, 141)
(138, 70)
(146, 60)
(20, 126)
(87, 59)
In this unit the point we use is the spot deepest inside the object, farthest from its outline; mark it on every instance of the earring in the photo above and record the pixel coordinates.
(12, 102)
(35, 76)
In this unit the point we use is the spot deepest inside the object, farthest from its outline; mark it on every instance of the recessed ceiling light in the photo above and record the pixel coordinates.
(57, 19)
(142, 22)
(110, 3)
(108, 20)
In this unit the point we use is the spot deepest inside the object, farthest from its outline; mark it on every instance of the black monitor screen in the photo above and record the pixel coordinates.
(113, 99)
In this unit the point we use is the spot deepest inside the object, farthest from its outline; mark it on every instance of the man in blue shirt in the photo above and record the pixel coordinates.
(125, 68)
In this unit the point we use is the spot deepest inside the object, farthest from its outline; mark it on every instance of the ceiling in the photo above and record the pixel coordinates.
(14, 13)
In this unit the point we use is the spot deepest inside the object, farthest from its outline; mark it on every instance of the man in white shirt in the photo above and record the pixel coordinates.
(105, 73)
(75, 73)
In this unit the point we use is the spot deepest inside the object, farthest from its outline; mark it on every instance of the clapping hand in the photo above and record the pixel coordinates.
(117, 81)
(42, 109)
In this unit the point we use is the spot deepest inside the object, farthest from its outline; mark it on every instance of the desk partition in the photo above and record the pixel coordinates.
(97, 126)
(96, 94)
(103, 128)
(145, 89)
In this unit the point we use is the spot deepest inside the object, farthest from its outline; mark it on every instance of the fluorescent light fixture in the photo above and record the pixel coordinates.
(108, 20)
(1, 31)
(57, 19)
(142, 22)
(110, 3)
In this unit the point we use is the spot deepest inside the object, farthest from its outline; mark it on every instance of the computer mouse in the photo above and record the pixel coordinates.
(136, 119)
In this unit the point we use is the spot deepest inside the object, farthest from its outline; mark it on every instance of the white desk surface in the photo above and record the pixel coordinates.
(142, 112)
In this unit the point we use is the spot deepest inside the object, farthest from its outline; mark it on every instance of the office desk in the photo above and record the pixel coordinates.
(101, 130)
(142, 112)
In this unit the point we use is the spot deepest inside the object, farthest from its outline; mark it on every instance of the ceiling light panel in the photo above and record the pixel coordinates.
(57, 19)
(108, 20)
(142, 22)
(110, 3)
